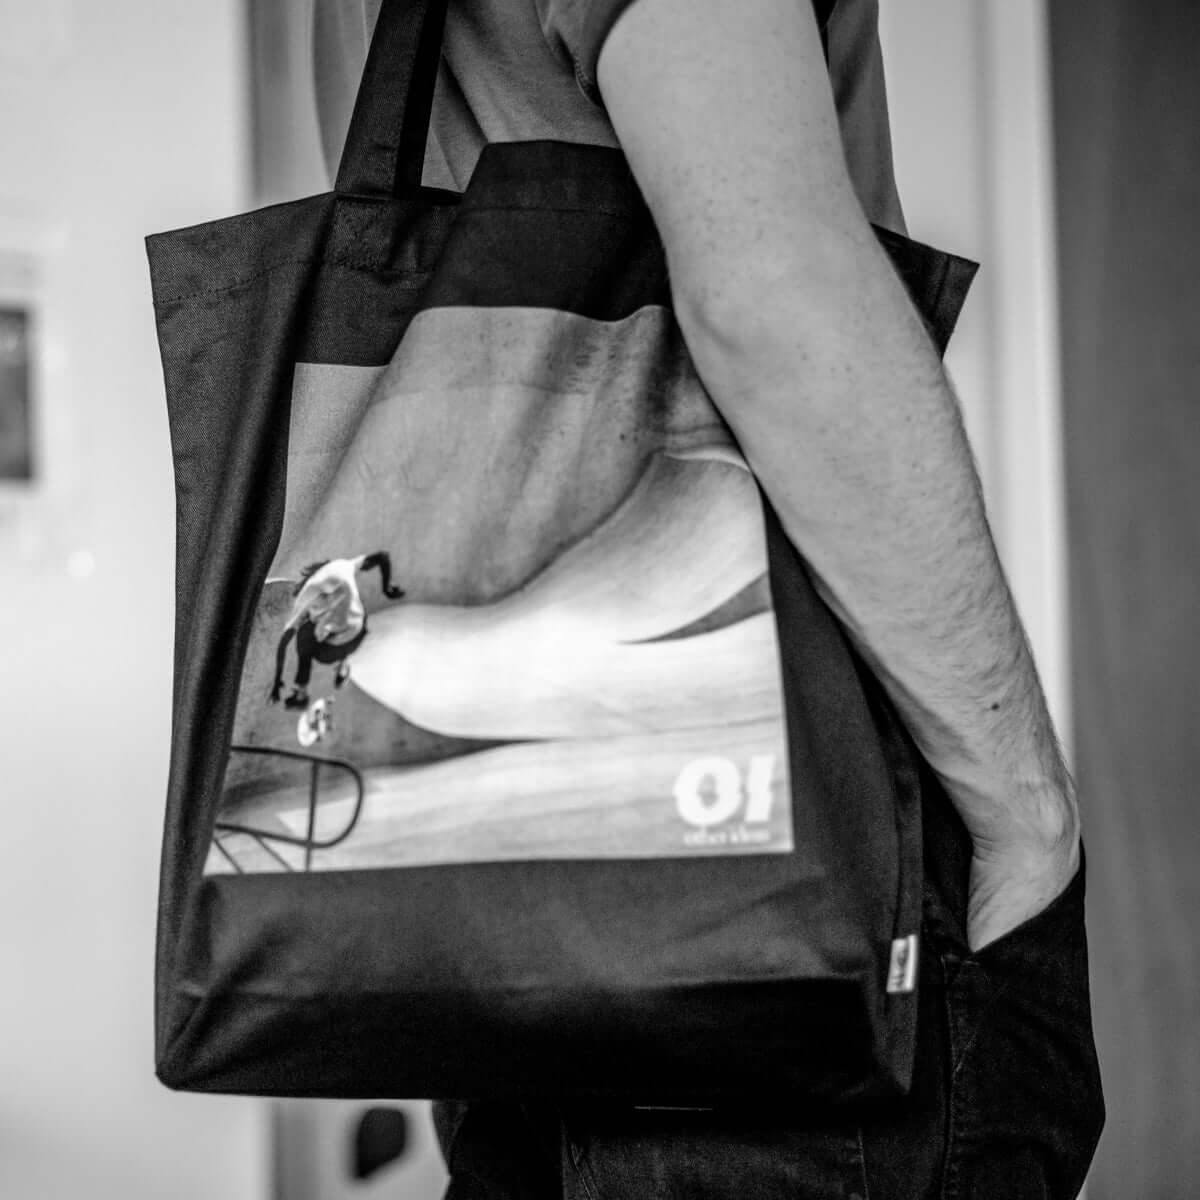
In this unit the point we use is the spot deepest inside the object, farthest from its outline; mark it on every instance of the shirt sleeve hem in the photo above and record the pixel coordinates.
(601, 17)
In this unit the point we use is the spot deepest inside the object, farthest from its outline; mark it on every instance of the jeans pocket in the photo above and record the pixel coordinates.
(1039, 934)
(1026, 1105)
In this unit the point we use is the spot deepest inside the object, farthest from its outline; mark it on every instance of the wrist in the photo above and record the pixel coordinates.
(1036, 820)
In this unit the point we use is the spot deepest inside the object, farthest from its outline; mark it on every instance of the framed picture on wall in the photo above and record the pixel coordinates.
(18, 460)
(23, 427)
(45, 477)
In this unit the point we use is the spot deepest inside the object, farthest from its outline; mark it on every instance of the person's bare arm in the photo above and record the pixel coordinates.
(808, 343)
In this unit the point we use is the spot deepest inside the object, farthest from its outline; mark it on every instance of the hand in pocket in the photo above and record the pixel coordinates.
(1011, 886)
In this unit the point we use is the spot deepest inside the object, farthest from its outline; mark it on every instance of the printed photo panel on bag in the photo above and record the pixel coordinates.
(458, 657)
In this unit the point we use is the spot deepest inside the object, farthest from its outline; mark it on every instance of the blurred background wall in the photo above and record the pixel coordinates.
(116, 119)
(1127, 129)
(121, 119)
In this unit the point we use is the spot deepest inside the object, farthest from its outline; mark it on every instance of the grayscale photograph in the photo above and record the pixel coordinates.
(598, 599)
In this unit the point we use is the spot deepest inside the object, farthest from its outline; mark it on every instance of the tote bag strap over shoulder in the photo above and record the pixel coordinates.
(385, 146)
(384, 155)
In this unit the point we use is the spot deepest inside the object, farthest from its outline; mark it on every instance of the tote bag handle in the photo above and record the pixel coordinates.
(385, 146)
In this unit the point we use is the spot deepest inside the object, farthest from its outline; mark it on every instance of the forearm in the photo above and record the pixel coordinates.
(846, 416)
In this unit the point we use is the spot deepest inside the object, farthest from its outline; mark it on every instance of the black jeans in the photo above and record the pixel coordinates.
(1006, 1101)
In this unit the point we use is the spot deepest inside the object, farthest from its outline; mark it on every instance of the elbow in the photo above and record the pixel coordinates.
(809, 296)
(827, 304)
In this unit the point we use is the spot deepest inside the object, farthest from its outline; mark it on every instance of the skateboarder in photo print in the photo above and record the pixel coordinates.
(327, 621)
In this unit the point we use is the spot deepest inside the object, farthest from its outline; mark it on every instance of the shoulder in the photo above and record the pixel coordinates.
(577, 29)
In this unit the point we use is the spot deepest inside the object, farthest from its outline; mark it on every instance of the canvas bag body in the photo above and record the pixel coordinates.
(513, 753)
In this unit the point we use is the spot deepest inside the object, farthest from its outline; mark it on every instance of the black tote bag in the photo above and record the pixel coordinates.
(513, 753)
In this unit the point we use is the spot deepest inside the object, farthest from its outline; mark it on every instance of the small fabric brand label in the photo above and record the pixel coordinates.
(902, 969)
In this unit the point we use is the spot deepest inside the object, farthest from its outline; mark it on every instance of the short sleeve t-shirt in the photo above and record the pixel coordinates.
(517, 70)
(579, 27)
